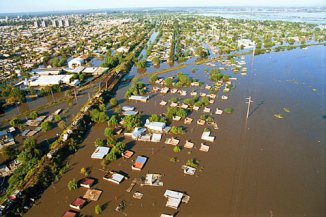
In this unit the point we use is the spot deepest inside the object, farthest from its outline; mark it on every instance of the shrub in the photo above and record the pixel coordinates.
(228, 110)
(173, 159)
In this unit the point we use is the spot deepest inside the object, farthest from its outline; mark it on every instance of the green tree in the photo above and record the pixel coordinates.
(168, 82)
(192, 163)
(113, 121)
(46, 126)
(33, 115)
(131, 121)
(57, 118)
(99, 142)
(108, 132)
(98, 209)
(98, 116)
(113, 101)
(14, 122)
(9, 152)
(176, 149)
(153, 78)
(72, 185)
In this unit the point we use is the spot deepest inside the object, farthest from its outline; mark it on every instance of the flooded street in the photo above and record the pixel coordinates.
(263, 166)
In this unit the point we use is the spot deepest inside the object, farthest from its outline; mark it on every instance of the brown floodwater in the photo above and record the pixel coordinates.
(258, 167)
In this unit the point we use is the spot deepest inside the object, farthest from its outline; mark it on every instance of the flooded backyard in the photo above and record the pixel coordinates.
(260, 166)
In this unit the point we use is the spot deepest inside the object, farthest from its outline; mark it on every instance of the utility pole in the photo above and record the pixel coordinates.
(52, 95)
(75, 94)
(249, 102)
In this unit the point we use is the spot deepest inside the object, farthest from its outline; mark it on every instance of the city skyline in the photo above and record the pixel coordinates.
(15, 6)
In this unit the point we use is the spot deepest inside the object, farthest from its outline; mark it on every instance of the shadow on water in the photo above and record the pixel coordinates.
(324, 117)
(105, 205)
(256, 108)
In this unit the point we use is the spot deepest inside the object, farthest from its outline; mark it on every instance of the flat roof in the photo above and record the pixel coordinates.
(100, 152)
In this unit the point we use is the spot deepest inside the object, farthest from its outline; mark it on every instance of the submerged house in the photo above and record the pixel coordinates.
(155, 126)
(100, 152)
(139, 163)
(175, 198)
(114, 177)
(78, 203)
(139, 98)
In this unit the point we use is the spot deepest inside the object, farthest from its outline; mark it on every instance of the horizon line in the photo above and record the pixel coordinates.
(156, 7)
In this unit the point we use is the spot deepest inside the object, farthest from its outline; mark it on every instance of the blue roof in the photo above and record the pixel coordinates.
(141, 159)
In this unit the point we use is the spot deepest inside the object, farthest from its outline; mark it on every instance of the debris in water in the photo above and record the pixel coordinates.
(279, 116)
(286, 109)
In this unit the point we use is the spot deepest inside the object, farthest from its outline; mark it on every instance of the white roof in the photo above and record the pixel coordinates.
(155, 125)
(138, 131)
(139, 98)
(156, 137)
(128, 108)
(117, 177)
(173, 194)
(206, 136)
(166, 215)
(50, 80)
(130, 113)
(173, 203)
(100, 152)
(90, 69)
(189, 170)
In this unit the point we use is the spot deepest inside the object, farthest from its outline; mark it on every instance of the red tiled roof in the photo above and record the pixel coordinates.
(138, 165)
(87, 181)
(78, 202)
(70, 214)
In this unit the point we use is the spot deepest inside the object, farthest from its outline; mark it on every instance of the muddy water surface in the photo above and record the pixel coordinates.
(262, 166)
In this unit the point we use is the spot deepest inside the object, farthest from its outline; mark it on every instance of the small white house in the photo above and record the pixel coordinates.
(76, 62)
(100, 152)
(155, 126)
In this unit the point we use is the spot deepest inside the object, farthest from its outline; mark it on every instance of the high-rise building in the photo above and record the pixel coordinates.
(43, 24)
(36, 24)
(67, 22)
(60, 23)
(54, 23)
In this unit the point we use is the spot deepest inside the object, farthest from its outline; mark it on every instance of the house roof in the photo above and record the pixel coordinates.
(100, 152)
(78, 202)
(70, 214)
(87, 181)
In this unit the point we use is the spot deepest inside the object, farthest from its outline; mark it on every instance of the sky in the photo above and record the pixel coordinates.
(12, 6)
